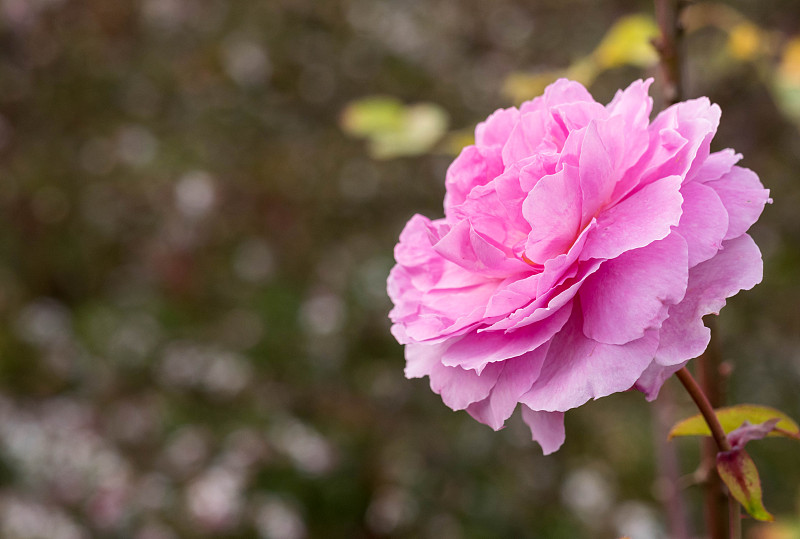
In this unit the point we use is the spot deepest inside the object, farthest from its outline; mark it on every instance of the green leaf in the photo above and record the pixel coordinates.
(732, 418)
(392, 128)
(738, 471)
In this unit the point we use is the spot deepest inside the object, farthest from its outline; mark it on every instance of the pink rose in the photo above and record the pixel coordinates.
(580, 248)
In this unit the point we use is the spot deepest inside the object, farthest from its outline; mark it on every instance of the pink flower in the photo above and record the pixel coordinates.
(580, 248)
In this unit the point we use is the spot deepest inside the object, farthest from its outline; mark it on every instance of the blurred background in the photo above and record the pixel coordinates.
(198, 205)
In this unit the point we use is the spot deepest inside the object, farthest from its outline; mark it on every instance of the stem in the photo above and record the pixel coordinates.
(705, 407)
(717, 432)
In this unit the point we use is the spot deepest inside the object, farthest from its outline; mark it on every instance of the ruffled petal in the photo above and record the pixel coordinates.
(578, 369)
(553, 209)
(459, 388)
(744, 198)
(481, 348)
(736, 267)
(472, 168)
(494, 131)
(704, 222)
(465, 247)
(717, 165)
(642, 218)
(683, 335)
(517, 377)
(631, 294)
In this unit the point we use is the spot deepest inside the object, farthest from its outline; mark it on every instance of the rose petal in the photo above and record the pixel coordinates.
(653, 378)
(517, 376)
(744, 198)
(459, 388)
(717, 165)
(597, 177)
(578, 369)
(479, 349)
(464, 246)
(547, 428)
(553, 209)
(736, 267)
(640, 219)
(526, 137)
(704, 222)
(472, 168)
(494, 131)
(631, 293)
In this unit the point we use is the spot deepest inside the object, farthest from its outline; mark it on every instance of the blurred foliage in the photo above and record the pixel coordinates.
(194, 339)
(394, 129)
(627, 42)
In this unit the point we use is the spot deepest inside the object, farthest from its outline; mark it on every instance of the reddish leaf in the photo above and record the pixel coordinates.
(739, 473)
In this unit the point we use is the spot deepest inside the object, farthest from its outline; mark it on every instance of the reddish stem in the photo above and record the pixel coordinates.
(706, 409)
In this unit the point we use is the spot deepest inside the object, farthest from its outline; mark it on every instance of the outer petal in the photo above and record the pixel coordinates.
(422, 358)
(497, 127)
(473, 167)
(446, 312)
(704, 222)
(561, 91)
(736, 267)
(630, 294)
(653, 378)
(640, 219)
(459, 388)
(634, 104)
(517, 376)
(743, 196)
(717, 165)
(578, 369)
(433, 297)
(547, 428)
(696, 120)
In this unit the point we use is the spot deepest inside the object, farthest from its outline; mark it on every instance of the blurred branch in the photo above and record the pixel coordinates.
(669, 45)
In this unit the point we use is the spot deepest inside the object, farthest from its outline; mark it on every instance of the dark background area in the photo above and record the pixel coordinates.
(193, 330)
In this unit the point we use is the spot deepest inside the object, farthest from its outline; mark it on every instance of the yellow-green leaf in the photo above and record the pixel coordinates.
(732, 418)
(738, 471)
(392, 128)
(629, 41)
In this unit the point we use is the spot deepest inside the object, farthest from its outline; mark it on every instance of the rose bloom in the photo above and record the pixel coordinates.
(581, 246)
